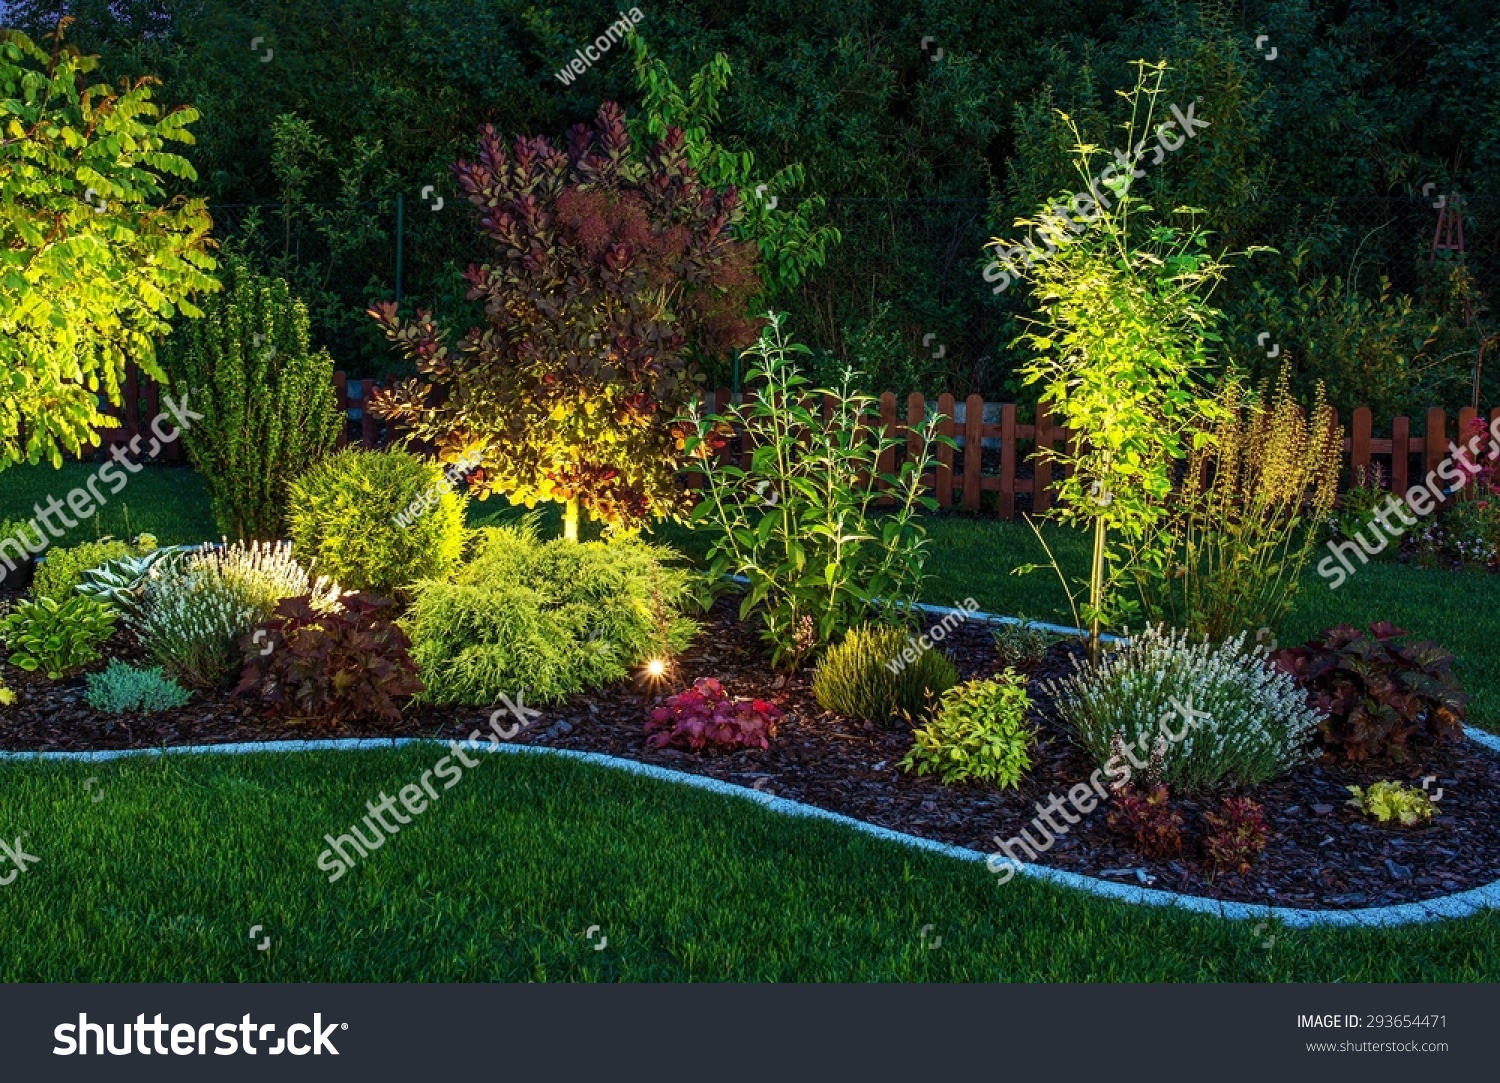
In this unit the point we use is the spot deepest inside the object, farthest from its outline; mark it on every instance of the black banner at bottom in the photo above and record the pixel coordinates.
(380, 1032)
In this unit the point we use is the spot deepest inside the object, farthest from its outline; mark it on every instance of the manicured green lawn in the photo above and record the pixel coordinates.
(164, 876)
(170, 502)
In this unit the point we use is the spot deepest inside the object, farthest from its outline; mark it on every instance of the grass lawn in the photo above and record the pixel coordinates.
(164, 876)
(170, 502)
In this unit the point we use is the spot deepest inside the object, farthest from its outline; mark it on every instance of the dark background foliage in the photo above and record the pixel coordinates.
(1322, 153)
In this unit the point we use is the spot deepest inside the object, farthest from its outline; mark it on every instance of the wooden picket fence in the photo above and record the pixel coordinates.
(1019, 479)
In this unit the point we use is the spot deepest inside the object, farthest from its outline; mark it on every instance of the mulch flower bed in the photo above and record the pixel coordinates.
(1321, 854)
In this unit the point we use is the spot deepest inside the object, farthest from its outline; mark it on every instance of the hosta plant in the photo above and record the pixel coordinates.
(1237, 834)
(337, 666)
(1385, 801)
(122, 582)
(122, 688)
(705, 716)
(56, 637)
(1375, 692)
(979, 733)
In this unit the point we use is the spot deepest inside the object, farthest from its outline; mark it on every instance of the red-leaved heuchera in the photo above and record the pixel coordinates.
(705, 715)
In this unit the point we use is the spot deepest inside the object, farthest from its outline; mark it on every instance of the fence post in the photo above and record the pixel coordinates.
(1359, 446)
(368, 437)
(916, 413)
(886, 462)
(973, 450)
(1400, 454)
(1436, 439)
(943, 482)
(341, 392)
(1008, 460)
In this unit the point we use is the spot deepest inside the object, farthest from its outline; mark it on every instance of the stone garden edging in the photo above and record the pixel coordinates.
(1463, 904)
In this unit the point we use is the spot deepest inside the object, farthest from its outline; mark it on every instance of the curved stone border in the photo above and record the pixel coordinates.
(1464, 904)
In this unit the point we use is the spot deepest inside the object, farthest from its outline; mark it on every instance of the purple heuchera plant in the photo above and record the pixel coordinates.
(705, 715)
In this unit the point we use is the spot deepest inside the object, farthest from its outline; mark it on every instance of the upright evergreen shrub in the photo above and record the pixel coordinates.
(267, 400)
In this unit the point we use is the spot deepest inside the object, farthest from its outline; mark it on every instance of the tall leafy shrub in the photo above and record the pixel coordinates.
(95, 258)
(605, 267)
(267, 397)
(1121, 340)
(800, 524)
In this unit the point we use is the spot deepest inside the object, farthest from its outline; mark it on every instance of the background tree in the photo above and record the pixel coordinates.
(270, 412)
(94, 257)
(607, 270)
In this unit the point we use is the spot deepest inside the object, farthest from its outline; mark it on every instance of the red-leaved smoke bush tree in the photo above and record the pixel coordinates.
(610, 270)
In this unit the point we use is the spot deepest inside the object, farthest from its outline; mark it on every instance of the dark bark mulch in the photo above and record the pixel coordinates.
(1322, 854)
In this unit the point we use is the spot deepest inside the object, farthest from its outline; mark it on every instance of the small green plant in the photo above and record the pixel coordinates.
(978, 734)
(7, 697)
(56, 637)
(122, 688)
(1237, 834)
(1023, 644)
(550, 617)
(866, 676)
(800, 523)
(377, 520)
(58, 576)
(1357, 507)
(1385, 801)
(122, 582)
